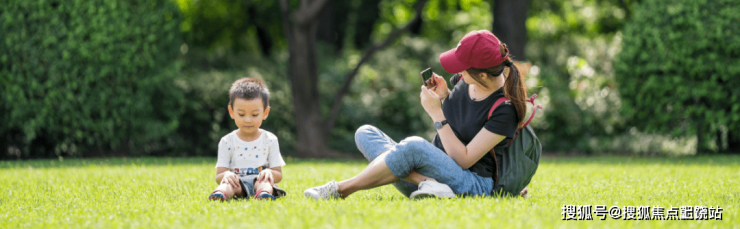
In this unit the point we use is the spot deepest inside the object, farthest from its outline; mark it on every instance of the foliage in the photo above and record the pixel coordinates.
(679, 70)
(56, 56)
(237, 26)
(572, 45)
(232, 25)
(171, 193)
(84, 77)
(385, 92)
(573, 74)
(558, 19)
(442, 20)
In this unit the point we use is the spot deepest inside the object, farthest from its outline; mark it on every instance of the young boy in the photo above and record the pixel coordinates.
(249, 161)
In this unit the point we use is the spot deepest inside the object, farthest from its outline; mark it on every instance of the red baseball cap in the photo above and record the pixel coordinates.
(477, 49)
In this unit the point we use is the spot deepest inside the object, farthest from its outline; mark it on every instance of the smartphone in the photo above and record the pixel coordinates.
(426, 78)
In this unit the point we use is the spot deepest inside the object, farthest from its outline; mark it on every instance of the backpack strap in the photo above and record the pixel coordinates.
(493, 152)
(495, 105)
(534, 111)
(504, 99)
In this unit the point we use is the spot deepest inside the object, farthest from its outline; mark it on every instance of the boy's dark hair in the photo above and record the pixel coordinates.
(249, 88)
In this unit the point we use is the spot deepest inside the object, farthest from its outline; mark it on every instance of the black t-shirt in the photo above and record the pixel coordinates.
(467, 117)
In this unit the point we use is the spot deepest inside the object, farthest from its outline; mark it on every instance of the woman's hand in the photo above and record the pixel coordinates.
(431, 103)
(440, 87)
(266, 176)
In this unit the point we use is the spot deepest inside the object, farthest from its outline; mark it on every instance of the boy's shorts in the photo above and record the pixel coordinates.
(248, 187)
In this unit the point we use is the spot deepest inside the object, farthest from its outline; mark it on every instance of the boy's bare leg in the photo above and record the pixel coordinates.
(263, 186)
(228, 190)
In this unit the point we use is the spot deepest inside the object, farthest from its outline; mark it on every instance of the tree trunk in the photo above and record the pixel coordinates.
(703, 139)
(416, 27)
(326, 31)
(365, 57)
(265, 40)
(300, 30)
(509, 18)
(367, 15)
(263, 37)
(333, 24)
(416, 24)
(303, 81)
(733, 142)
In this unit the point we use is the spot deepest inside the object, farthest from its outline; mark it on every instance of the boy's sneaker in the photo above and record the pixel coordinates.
(264, 195)
(217, 195)
(432, 188)
(328, 191)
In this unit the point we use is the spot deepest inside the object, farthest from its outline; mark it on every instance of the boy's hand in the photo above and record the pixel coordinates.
(266, 175)
(231, 179)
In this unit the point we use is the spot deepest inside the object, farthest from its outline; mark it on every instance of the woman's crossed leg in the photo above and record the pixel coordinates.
(413, 159)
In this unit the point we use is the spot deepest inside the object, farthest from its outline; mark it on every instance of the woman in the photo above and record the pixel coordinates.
(458, 160)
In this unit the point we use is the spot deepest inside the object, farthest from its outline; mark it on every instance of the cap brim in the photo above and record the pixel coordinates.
(450, 63)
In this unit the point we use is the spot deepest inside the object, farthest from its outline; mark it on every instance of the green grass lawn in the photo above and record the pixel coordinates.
(171, 193)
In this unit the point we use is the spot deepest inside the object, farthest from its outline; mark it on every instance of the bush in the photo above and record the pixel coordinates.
(572, 45)
(679, 70)
(84, 77)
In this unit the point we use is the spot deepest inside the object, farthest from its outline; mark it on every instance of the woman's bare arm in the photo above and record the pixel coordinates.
(464, 156)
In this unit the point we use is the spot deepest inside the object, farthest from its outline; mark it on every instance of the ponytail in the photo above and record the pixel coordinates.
(515, 90)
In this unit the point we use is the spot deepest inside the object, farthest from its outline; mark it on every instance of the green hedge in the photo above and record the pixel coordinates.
(88, 74)
(679, 70)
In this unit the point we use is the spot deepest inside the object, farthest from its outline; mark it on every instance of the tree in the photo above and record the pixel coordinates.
(300, 28)
(509, 19)
(677, 71)
(366, 19)
(333, 21)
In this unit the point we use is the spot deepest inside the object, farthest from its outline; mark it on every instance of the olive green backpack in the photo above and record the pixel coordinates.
(516, 163)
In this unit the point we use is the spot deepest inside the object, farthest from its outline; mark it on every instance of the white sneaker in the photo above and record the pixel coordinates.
(328, 191)
(432, 188)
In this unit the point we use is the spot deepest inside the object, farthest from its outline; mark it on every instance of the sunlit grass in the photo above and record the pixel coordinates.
(171, 193)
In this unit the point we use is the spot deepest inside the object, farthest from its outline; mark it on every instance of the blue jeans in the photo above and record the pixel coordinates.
(420, 155)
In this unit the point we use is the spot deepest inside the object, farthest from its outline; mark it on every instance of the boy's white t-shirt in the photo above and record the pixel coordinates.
(249, 158)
